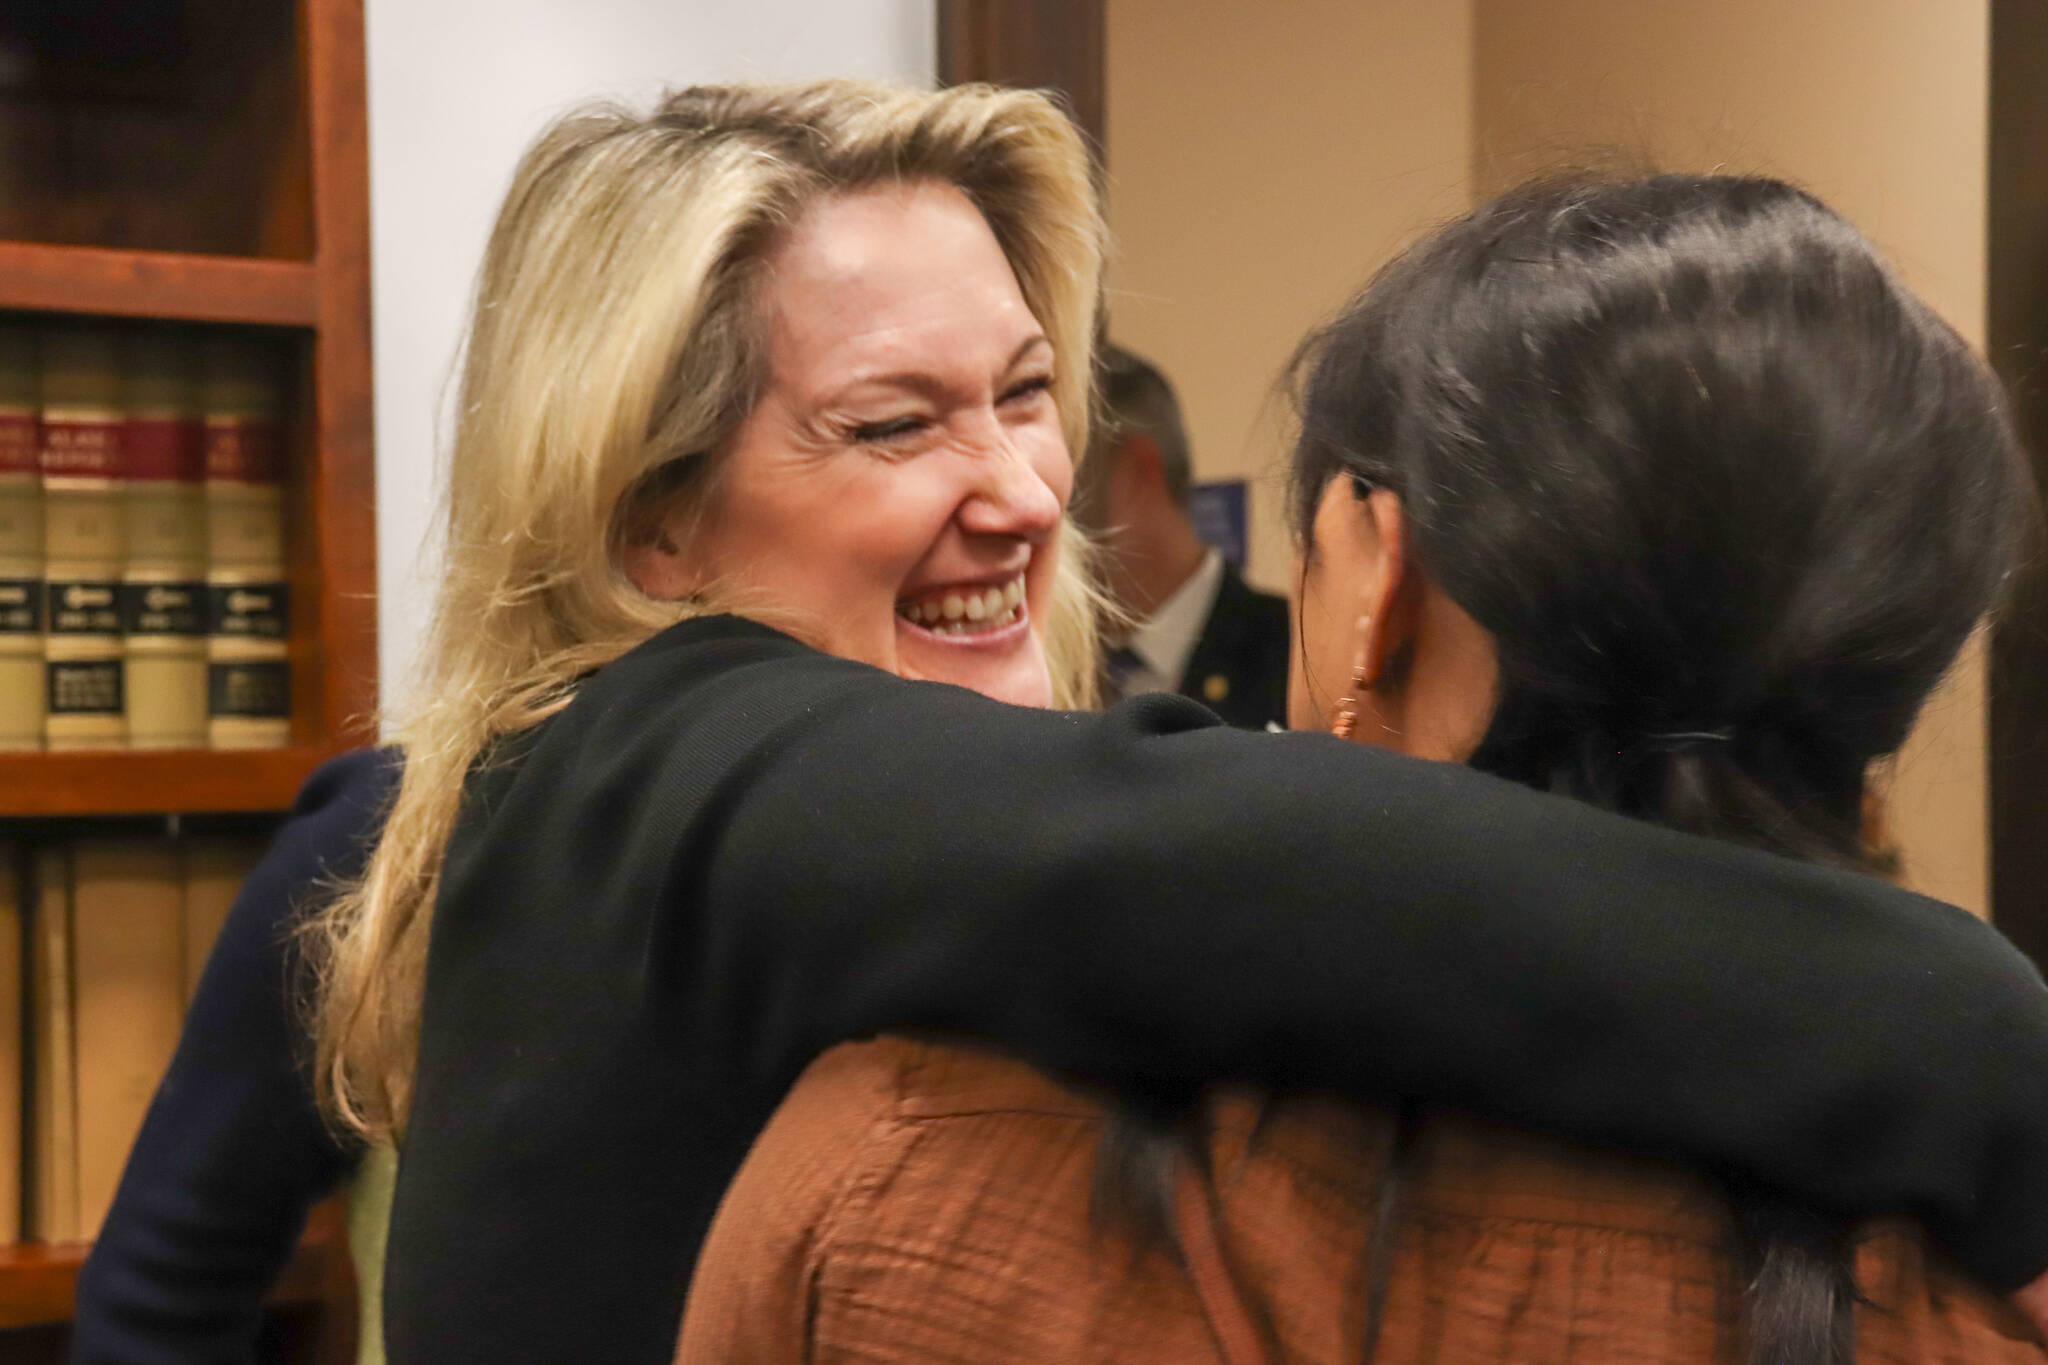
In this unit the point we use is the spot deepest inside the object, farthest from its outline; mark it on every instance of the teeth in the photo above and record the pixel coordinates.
(969, 613)
(970, 626)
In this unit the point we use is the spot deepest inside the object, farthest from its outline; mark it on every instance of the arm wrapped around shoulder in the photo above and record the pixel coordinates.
(1147, 900)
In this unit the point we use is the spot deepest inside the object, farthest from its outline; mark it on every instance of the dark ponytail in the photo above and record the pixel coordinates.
(1728, 498)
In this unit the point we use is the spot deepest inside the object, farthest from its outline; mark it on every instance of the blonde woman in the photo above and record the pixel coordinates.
(766, 421)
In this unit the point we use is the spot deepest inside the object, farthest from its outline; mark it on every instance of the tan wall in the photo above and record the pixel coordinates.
(1265, 157)
(1880, 107)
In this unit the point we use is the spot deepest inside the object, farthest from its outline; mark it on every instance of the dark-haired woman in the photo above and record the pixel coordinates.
(1664, 495)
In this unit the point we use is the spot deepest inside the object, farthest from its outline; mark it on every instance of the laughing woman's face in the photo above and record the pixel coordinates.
(901, 484)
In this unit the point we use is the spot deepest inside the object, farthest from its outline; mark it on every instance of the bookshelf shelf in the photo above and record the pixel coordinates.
(174, 781)
(39, 277)
(38, 1283)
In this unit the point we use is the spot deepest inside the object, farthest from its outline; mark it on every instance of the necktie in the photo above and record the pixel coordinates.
(1119, 667)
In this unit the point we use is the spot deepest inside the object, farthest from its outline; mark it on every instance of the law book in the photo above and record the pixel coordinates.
(21, 541)
(83, 536)
(215, 867)
(163, 579)
(53, 1148)
(248, 617)
(128, 983)
(12, 980)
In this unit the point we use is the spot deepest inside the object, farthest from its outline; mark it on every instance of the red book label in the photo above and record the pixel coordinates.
(244, 450)
(165, 449)
(18, 443)
(81, 448)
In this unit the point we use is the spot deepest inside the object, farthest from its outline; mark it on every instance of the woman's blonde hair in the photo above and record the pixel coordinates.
(616, 343)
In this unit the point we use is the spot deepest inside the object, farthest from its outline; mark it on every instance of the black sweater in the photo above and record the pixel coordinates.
(731, 851)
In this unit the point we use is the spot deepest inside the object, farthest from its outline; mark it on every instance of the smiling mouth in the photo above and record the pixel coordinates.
(972, 610)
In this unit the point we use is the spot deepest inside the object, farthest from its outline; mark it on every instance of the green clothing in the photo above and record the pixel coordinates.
(369, 1222)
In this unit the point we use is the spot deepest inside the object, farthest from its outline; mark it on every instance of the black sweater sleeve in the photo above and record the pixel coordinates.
(730, 852)
(233, 1151)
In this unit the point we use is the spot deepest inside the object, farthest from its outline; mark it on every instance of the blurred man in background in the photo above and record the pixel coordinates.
(1197, 628)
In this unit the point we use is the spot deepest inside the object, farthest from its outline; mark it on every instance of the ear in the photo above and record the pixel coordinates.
(1876, 817)
(659, 567)
(1139, 461)
(1392, 606)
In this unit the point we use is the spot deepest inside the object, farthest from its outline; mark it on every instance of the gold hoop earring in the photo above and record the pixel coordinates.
(1347, 706)
(1346, 717)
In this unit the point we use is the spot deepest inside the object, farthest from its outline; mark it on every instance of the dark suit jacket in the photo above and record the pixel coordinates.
(731, 851)
(1239, 667)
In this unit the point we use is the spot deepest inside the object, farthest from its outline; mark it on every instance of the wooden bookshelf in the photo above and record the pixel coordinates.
(206, 162)
(260, 219)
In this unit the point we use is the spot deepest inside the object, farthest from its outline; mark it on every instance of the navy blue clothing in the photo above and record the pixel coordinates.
(233, 1151)
(1238, 668)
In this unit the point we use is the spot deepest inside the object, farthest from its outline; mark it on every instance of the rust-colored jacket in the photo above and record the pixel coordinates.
(918, 1203)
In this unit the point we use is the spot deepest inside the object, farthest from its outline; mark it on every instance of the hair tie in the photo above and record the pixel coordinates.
(1678, 739)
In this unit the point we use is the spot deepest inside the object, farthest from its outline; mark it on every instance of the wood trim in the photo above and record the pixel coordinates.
(342, 482)
(2017, 340)
(154, 782)
(157, 284)
(1039, 44)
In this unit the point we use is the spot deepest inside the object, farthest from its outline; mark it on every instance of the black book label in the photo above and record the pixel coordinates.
(85, 688)
(163, 608)
(21, 606)
(91, 607)
(249, 611)
(249, 689)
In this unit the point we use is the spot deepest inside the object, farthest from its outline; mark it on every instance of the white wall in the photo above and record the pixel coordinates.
(457, 90)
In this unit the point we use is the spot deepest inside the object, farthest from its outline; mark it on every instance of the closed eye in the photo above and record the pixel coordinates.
(1029, 388)
(881, 433)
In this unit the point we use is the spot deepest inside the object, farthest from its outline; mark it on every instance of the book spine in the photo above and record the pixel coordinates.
(163, 581)
(21, 543)
(54, 1152)
(80, 456)
(215, 867)
(128, 1000)
(13, 978)
(248, 604)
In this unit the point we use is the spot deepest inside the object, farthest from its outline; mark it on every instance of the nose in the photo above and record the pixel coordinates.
(1011, 497)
